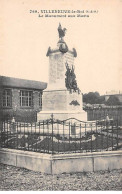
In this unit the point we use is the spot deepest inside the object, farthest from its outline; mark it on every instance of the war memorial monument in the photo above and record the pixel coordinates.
(62, 98)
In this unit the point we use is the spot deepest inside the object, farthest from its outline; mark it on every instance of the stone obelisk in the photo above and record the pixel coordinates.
(62, 98)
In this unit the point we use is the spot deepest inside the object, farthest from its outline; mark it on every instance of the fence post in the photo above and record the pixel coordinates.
(96, 135)
(85, 139)
(75, 137)
(107, 127)
(91, 137)
(43, 137)
(52, 132)
(80, 137)
(36, 135)
(69, 136)
(117, 133)
(20, 136)
(4, 135)
(28, 136)
(58, 136)
(39, 135)
(112, 134)
(32, 136)
(1, 128)
(7, 133)
(24, 138)
(17, 134)
(48, 124)
(63, 138)
(13, 124)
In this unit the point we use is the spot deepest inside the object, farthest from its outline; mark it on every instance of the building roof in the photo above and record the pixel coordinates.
(113, 94)
(21, 83)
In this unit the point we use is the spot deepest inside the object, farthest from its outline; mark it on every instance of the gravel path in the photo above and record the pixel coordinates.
(14, 178)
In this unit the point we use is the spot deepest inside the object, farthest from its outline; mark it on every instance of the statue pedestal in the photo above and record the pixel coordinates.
(62, 104)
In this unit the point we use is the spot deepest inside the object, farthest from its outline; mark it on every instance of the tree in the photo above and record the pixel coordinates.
(102, 100)
(91, 97)
(113, 100)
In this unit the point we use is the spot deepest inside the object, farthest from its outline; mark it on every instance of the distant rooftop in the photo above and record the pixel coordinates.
(113, 92)
(21, 83)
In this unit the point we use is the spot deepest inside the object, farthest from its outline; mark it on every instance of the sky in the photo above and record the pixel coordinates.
(25, 39)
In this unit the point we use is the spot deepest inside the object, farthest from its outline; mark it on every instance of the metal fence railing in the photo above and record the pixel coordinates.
(67, 136)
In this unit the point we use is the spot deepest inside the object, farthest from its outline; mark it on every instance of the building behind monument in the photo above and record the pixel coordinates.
(20, 98)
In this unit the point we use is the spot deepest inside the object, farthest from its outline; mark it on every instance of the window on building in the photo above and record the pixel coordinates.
(40, 99)
(26, 98)
(7, 98)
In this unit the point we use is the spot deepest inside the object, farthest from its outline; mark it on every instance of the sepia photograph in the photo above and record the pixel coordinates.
(60, 95)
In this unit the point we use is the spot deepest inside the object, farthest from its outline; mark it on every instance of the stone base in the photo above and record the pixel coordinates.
(62, 163)
(62, 115)
(61, 100)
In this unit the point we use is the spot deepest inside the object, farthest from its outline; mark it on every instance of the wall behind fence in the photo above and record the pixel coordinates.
(101, 113)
